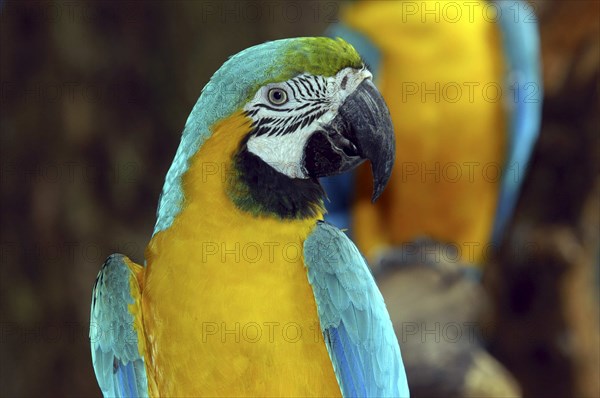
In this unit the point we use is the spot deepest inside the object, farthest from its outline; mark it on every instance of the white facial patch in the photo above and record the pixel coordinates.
(282, 131)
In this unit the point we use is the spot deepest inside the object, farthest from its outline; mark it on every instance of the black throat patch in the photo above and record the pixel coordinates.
(258, 188)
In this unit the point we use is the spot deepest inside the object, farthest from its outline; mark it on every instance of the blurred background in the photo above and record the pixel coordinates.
(94, 96)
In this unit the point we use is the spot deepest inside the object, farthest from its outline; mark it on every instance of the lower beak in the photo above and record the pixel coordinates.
(361, 130)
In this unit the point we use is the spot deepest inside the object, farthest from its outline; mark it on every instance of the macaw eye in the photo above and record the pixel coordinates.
(277, 96)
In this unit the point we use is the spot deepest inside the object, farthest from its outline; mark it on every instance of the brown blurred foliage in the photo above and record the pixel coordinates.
(93, 99)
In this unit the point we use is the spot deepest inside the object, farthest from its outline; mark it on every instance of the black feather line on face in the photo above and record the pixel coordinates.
(277, 126)
(259, 189)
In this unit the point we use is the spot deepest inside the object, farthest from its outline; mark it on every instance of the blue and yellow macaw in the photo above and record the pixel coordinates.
(462, 82)
(245, 291)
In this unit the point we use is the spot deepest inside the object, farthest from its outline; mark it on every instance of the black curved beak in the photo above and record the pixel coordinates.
(361, 130)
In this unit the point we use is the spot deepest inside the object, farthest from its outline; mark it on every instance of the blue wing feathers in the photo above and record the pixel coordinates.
(521, 48)
(126, 380)
(118, 365)
(345, 353)
(362, 344)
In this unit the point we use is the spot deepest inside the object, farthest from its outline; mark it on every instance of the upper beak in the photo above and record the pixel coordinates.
(361, 130)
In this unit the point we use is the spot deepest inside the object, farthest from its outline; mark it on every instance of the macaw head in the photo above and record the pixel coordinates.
(312, 111)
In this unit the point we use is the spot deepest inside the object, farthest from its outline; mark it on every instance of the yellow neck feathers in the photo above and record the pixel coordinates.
(228, 310)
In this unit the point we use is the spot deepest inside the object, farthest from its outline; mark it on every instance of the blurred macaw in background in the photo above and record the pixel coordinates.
(239, 242)
(462, 81)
